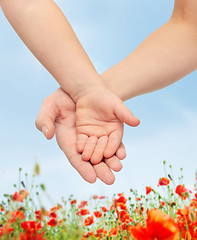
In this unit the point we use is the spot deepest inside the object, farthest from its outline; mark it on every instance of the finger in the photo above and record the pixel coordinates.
(66, 139)
(85, 169)
(113, 144)
(121, 152)
(114, 163)
(45, 120)
(97, 155)
(125, 115)
(104, 173)
(89, 148)
(81, 141)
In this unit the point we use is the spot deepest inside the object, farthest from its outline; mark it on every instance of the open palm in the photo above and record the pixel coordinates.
(99, 122)
(57, 114)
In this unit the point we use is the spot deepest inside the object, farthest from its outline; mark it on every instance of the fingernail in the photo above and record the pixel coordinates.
(45, 131)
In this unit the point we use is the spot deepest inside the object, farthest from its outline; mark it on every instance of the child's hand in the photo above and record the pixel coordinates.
(100, 115)
(57, 114)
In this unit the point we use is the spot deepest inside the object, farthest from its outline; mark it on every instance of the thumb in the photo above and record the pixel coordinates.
(125, 115)
(45, 121)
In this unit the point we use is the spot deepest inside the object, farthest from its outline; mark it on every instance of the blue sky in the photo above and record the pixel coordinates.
(109, 31)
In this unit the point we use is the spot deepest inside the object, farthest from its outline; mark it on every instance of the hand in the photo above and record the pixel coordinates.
(100, 115)
(57, 114)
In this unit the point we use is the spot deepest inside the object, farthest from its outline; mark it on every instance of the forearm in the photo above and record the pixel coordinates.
(166, 56)
(46, 32)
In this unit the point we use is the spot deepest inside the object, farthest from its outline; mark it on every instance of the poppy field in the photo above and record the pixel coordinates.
(168, 212)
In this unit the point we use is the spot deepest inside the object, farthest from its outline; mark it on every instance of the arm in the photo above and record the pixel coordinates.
(47, 33)
(159, 67)
(167, 55)
(45, 30)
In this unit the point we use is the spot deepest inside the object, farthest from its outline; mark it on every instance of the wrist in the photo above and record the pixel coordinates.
(85, 89)
(113, 82)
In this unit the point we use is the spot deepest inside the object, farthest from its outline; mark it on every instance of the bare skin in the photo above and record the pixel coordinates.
(57, 114)
(164, 57)
(61, 53)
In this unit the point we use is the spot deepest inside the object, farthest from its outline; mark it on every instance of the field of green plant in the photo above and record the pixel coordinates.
(166, 213)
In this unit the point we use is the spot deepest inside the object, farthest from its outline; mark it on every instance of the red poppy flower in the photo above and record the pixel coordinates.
(158, 226)
(56, 208)
(31, 229)
(88, 221)
(83, 212)
(26, 236)
(38, 214)
(19, 197)
(100, 233)
(98, 214)
(121, 199)
(113, 232)
(125, 217)
(83, 204)
(183, 213)
(139, 209)
(104, 209)
(52, 222)
(95, 197)
(102, 197)
(122, 206)
(162, 203)
(6, 229)
(52, 215)
(187, 220)
(148, 190)
(73, 202)
(163, 181)
(124, 226)
(195, 195)
(17, 215)
(31, 226)
(182, 191)
(88, 234)
(193, 203)
(1, 208)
